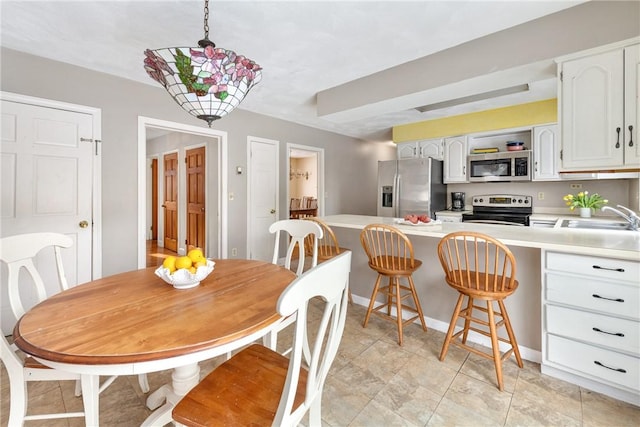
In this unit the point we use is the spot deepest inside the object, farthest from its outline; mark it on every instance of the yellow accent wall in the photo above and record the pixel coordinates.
(500, 118)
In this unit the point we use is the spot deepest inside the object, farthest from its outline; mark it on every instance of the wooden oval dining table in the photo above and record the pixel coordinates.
(134, 322)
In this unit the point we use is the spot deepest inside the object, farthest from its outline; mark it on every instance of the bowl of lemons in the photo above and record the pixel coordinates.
(184, 272)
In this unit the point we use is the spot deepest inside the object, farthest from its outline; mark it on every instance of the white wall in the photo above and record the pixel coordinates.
(350, 164)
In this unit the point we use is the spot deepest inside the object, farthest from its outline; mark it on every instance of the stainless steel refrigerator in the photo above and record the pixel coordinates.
(410, 186)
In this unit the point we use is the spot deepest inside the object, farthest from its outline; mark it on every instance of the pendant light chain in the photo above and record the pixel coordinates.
(206, 19)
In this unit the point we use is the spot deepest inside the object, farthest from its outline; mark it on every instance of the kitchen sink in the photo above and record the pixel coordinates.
(595, 224)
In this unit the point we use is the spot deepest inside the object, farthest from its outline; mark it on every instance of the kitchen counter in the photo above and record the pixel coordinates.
(615, 244)
(527, 244)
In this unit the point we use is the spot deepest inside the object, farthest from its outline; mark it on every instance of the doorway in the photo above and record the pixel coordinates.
(305, 186)
(216, 204)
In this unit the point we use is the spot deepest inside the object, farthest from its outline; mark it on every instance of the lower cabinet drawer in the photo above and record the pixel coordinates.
(593, 294)
(596, 267)
(619, 334)
(607, 365)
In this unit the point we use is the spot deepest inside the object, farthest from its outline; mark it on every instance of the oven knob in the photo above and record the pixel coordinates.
(481, 200)
(526, 201)
(519, 200)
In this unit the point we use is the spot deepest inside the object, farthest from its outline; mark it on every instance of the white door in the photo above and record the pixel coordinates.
(263, 196)
(47, 180)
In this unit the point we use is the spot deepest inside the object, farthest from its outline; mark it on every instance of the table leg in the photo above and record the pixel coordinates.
(90, 390)
(183, 379)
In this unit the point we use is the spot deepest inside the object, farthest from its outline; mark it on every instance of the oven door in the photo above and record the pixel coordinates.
(502, 219)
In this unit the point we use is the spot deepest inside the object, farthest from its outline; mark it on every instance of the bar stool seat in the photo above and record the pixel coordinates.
(480, 268)
(390, 254)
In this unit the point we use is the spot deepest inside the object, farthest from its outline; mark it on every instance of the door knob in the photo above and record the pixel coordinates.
(273, 211)
(83, 224)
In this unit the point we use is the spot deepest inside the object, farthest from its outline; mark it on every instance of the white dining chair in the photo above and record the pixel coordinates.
(22, 253)
(258, 386)
(296, 230)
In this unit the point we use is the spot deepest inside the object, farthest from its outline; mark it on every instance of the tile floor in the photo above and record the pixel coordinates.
(374, 382)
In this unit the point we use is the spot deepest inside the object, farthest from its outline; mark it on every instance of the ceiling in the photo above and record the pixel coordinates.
(305, 48)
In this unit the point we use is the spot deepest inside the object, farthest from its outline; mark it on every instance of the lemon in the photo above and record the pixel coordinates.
(183, 262)
(170, 263)
(192, 270)
(196, 255)
(202, 263)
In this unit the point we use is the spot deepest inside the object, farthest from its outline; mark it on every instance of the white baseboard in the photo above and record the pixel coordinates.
(525, 352)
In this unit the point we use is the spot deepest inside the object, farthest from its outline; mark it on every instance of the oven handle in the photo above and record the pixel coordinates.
(493, 221)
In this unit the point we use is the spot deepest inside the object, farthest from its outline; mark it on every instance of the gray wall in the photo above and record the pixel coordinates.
(350, 164)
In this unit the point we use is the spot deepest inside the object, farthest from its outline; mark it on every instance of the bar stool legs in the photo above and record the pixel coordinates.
(492, 324)
(394, 298)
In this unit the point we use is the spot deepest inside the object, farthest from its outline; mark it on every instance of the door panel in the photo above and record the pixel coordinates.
(263, 197)
(154, 199)
(196, 166)
(170, 203)
(46, 160)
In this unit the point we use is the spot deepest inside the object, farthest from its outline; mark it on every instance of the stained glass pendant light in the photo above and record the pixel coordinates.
(207, 81)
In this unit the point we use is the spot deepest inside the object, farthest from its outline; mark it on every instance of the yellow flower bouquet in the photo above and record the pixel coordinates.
(585, 200)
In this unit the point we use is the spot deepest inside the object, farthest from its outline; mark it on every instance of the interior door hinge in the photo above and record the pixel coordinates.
(97, 141)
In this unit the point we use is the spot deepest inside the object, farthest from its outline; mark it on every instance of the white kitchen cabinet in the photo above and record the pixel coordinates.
(450, 216)
(432, 148)
(591, 322)
(631, 105)
(455, 159)
(428, 148)
(594, 94)
(546, 153)
(408, 150)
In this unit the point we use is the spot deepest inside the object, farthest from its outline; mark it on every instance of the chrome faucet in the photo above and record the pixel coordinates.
(631, 218)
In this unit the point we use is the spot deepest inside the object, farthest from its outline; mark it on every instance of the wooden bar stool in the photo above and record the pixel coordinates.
(390, 254)
(480, 267)
(328, 246)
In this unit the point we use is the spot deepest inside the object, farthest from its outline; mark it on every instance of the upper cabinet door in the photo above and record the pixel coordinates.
(432, 148)
(631, 109)
(455, 163)
(546, 153)
(592, 111)
(408, 150)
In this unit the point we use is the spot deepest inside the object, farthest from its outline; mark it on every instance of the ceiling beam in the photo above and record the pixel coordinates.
(525, 53)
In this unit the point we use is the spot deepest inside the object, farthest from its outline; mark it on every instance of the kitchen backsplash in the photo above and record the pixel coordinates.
(617, 191)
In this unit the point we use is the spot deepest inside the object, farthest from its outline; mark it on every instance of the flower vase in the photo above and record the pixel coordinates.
(585, 212)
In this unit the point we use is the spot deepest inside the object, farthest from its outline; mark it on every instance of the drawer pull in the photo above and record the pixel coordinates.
(618, 334)
(624, 371)
(620, 270)
(608, 299)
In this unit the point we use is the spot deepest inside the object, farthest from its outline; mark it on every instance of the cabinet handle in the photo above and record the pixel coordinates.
(608, 299)
(624, 371)
(618, 138)
(536, 166)
(617, 334)
(619, 270)
(630, 136)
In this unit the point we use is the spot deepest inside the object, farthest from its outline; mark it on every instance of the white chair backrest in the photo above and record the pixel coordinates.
(297, 230)
(329, 281)
(18, 252)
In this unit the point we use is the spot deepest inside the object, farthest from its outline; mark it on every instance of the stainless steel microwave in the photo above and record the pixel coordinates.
(503, 166)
